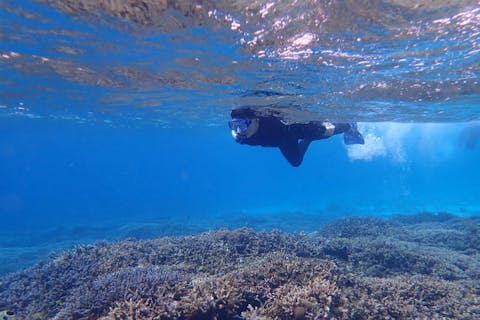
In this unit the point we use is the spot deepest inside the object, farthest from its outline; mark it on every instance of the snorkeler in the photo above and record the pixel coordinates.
(267, 127)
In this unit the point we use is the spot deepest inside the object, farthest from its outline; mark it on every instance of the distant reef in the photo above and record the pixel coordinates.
(425, 266)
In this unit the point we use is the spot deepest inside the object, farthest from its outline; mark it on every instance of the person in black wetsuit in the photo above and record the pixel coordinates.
(268, 127)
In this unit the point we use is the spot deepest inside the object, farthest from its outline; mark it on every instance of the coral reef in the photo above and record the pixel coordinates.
(354, 227)
(412, 297)
(431, 244)
(424, 266)
(124, 285)
(272, 285)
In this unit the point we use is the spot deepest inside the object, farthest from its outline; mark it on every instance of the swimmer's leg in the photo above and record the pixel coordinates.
(324, 130)
(294, 151)
(341, 127)
(318, 130)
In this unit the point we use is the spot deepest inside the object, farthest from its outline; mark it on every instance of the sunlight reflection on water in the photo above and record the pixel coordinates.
(159, 63)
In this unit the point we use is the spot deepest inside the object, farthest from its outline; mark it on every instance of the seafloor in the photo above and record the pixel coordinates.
(424, 266)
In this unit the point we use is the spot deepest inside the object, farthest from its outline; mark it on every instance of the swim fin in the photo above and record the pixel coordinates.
(353, 136)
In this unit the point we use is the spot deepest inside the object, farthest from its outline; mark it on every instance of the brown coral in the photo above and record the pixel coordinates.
(273, 287)
(245, 274)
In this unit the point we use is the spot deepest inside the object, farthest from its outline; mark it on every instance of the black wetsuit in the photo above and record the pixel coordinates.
(293, 139)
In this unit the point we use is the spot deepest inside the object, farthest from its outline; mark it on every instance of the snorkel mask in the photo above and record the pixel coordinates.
(243, 128)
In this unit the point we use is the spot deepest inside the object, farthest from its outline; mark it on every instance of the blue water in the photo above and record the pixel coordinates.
(108, 121)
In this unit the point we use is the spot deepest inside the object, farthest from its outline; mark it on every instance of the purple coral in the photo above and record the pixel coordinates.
(93, 299)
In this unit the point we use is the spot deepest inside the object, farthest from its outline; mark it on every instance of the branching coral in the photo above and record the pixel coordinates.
(408, 297)
(131, 284)
(273, 287)
(245, 274)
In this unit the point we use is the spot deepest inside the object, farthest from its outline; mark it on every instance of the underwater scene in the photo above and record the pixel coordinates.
(262, 159)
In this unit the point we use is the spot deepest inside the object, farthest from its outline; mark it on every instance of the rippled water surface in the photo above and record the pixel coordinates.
(166, 62)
